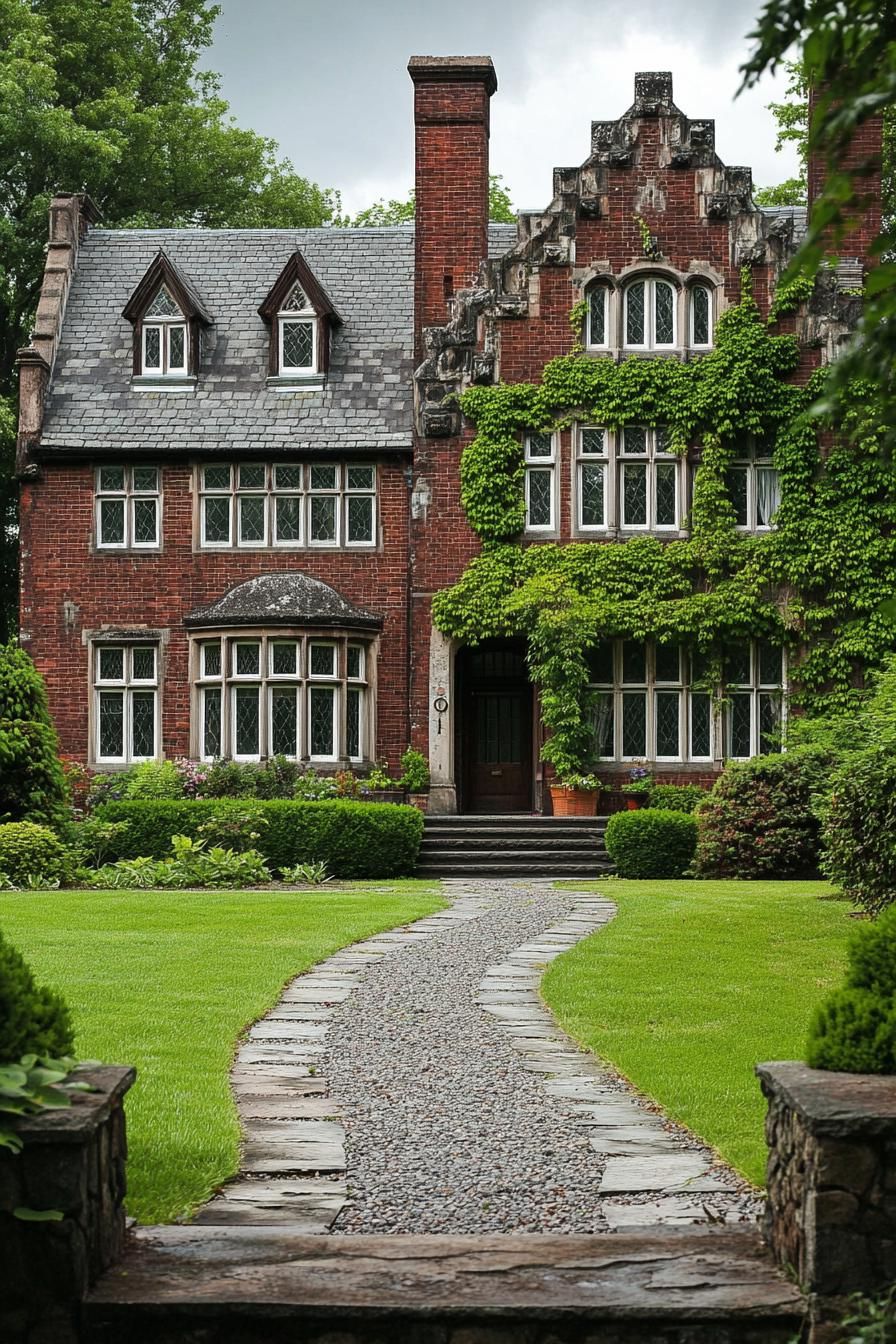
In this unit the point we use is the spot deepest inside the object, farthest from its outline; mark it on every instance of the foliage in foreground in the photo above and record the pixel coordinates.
(168, 983)
(651, 842)
(760, 818)
(33, 1019)
(32, 785)
(854, 1031)
(31, 853)
(860, 829)
(191, 864)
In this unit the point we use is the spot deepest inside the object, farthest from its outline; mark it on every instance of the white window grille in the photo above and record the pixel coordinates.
(754, 677)
(126, 710)
(164, 338)
(127, 502)
(649, 314)
(287, 504)
(755, 489)
(597, 321)
(540, 452)
(700, 317)
(648, 480)
(298, 334)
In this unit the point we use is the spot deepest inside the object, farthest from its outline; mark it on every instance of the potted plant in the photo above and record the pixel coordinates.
(380, 787)
(637, 790)
(415, 778)
(574, 795)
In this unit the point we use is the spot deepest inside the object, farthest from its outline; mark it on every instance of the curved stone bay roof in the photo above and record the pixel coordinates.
(290, 598)
(367, 402)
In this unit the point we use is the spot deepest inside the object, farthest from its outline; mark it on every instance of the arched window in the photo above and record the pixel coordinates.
(650, 314)
(597, 318)
(701, 316)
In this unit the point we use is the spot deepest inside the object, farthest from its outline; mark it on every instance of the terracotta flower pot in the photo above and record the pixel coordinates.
(419, 800)
(573, 802)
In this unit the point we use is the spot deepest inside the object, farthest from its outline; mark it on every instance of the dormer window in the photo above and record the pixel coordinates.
(302, 319)
(298, 325)
(650, 315)
(167, 315)
(164, 338)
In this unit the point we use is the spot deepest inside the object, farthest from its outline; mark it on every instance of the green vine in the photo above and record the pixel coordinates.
(815, 582)
(790, 295)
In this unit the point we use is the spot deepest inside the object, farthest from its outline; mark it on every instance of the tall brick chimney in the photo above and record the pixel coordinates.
(863, 157)
(451, 120)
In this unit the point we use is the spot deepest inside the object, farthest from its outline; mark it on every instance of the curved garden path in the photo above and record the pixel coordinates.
(416, 1083)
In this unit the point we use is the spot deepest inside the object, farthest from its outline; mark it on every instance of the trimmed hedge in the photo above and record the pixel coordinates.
(677, 797)
(859, 837)
(33, 1019)
(352, 839)
(651, 842)
(854, 1031)
(760, 819)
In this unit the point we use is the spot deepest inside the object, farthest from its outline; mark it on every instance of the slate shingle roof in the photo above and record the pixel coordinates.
(367, 403)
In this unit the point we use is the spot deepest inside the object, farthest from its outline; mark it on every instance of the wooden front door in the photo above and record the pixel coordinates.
(497, 731)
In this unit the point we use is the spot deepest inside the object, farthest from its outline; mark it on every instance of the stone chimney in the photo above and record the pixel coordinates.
(451, 120)
(71, 215)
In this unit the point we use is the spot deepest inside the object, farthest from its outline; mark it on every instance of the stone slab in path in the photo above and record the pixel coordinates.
(672, 1171)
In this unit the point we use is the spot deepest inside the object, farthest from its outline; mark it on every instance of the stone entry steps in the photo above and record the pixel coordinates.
(235, 1285)
(513, 846)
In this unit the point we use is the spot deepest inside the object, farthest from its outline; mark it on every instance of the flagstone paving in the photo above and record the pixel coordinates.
(416, 1082)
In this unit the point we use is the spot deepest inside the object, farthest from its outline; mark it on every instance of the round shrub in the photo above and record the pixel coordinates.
(859, 836)
(855, 1030)
(28, 850)
(651, 842)
(677, 797)
(33, 1019)
(759, 821)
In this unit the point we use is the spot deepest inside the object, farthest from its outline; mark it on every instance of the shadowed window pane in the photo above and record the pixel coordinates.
(143, 705)
(634, 314)
(634, 439)
(323, 478)
(246, 720)
(593, 441)
(739, 725)
(604, 734)
(701, 736)
(737, 665)
(217, 518)
(288, 477)
(360, 518)
(112, 522)
(539, 511)
(323, 518)
(211, 722)
(146, 478)
(322, 660)
(770, 673)
(592, 478)
(211, 660)
(634, 495)
(667, 723)
(665, 494)
(598, 311)
(111, 664)
(216, 478)
(355, 666)
(700, 311)
(634, 663)
(284, 738)
(111, 724)
(634, 723)
(177, 343)
(145, 522)
(600, 664)
(359, 478)
(664, 313)
(143, 664)
(736, 481)
(284, 659)
(152, 337)
(540, 445)
(252, 476)
(353, 722)
(769, 722)
(251, 518)
(668, 662)
(248, 658)
(321, 720)
(111, 478)
(298, 345)
(289, 518)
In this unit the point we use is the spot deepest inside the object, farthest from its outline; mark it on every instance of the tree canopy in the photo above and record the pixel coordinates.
(383, 213)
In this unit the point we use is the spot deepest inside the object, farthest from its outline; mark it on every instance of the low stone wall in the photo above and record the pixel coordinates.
(73, 1161)
(831, 1213)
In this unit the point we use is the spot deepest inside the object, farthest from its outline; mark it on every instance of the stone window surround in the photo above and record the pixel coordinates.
(127, 639)
(614, 459)
(341, 493)
(304, 636)
(683, 282)
(719, 725)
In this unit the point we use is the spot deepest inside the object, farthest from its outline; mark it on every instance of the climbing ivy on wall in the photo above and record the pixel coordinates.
(815, 582)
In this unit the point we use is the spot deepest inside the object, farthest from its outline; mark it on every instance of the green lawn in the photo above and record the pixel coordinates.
(695, 982)
(167, 981)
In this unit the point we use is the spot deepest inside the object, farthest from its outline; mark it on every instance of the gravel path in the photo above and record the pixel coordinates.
(450, 1128)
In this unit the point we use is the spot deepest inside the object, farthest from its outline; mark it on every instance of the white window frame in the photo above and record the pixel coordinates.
(590, 343)
(129, 497)
(752, 464)
(650, 283)
(341, 492)
(543, 462)
(653, 456)
(585, 459)
(649, 689)
(708, 291)
(228, 681)
(165, 325)
(305, 317)
(757, 689)
(127, 686)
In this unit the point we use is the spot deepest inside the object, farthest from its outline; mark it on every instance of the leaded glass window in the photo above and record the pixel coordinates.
(163, 305)
(644, 704)
(592, 443)
(754, 674)
(281, 694)
(597, 317)
(164, 338)
(260, 505)
(125, 702)
(128, 507)
(754, 488)
(634, 494)
(540, 453)
(648, 490)
(701, 315)
(298, 329)
(650, 314)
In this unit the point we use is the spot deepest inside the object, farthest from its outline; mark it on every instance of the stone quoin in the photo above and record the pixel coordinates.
(239, 454)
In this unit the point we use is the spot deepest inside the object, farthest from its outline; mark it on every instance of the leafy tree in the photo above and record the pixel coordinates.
(848, 51)
(105, 96)
(32, 784)
(383, 213)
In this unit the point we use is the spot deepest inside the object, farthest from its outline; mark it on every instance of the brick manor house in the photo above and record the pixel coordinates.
(239, 454)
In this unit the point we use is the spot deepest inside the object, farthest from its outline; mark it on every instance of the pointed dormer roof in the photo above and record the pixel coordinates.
(298, 272)
(162, 271)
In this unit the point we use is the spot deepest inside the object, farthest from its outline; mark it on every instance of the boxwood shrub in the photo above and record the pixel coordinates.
(33, 1019)
(31, 851)
(677, 797)
(760, 820)
(651, 842)
(352, 839)
(854, 1031)
(859, 837)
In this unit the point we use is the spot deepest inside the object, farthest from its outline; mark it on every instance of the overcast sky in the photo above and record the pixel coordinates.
(329, 80)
